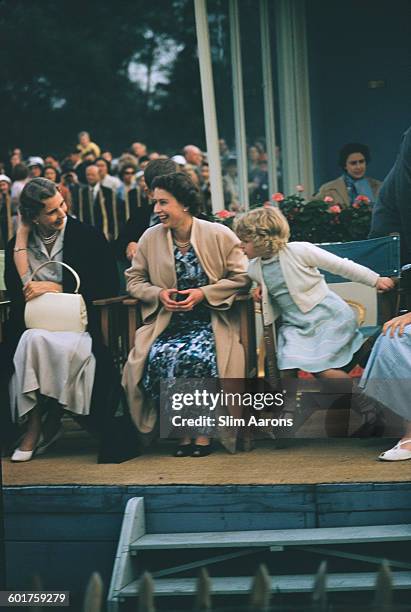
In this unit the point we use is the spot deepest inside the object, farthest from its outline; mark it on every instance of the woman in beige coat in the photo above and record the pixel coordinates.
(186, 272)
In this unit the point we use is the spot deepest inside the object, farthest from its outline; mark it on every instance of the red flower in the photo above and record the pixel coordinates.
(328, 199)
(356, 204)
(362, 198)
(278, 197)
(223, 214)
(335, 209)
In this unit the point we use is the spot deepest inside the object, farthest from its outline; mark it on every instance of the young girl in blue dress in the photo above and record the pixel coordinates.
(319, 331)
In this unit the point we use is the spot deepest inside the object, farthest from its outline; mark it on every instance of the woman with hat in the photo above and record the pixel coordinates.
(7, 211)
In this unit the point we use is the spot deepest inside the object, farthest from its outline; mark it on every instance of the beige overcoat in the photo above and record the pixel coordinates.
(218, 250)
(337, 190)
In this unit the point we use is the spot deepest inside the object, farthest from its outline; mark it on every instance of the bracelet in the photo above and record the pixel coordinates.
(20, 249)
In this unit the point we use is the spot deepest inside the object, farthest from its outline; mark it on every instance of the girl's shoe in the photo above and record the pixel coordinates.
(183, 450)
(19, 455)
(373, 418)
(201, 450)
(372, 428)
(396, 453)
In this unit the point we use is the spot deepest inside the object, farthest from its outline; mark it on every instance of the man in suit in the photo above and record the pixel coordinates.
(99, 206)
(141, 209)
(392, 211)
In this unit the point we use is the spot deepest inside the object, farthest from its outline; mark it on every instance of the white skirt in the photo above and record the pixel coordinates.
(59, 365)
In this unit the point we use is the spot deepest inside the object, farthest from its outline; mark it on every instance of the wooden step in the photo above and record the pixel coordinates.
(285, 584)
(281, 537)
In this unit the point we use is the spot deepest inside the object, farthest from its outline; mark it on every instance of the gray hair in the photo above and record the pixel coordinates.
(33, 195)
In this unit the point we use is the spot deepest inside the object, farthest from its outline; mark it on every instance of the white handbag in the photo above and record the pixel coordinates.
(56, 311)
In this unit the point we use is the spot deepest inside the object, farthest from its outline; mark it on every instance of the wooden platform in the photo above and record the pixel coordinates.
(303, 461)
(63, 511)
(70, 531)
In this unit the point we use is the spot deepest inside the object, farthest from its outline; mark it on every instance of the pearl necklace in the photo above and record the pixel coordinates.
(49, 239)
(181, 245)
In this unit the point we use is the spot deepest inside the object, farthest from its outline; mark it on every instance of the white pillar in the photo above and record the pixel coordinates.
(294, 94)
(207, 91)
(269, 110)
(238, 104)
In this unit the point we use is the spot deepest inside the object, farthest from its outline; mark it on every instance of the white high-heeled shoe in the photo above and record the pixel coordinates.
(19, 455)
(397, 453)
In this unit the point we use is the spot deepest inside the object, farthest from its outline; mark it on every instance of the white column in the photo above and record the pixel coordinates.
(295, 112)
(238, 104)
(269, 110)
(210, 117)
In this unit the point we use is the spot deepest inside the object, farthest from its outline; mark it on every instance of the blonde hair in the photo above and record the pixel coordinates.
(266, 228)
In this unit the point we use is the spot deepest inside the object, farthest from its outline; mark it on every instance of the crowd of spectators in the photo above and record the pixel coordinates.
(103, 190)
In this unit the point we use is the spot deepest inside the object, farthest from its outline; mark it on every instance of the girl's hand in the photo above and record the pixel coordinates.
(257, 294)
(194, 297)
(131, 250)
(34, 289)
(385, 283)
(397, 323)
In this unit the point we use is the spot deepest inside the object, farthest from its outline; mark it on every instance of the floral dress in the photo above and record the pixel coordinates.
(186, 349)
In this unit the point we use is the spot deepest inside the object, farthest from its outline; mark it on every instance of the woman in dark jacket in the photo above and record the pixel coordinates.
(86, 250)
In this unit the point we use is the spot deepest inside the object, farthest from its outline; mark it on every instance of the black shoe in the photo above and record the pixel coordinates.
(183, 450)
(371, 429)
(373, 418)
(201, 450)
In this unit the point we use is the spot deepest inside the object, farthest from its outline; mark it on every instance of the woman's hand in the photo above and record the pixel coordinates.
(34, 289)
(166, 298)
(385, 283)
(257, 294)
(397, 323)
(194, 297)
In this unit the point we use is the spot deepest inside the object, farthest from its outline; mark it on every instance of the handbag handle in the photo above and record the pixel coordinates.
(53, 261)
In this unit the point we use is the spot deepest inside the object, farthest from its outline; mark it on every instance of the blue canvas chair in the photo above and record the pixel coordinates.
(381, 255)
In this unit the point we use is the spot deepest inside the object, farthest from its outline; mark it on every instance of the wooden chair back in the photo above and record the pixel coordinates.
(120, 317)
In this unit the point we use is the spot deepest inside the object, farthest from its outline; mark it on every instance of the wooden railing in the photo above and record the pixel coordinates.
(260, 598)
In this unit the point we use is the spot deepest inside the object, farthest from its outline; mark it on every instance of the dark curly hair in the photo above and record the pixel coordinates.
(33, 195)
(182, 188)
(158, 167)
(349, 149)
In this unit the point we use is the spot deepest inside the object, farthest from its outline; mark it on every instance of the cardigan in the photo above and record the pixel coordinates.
(299, 263)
